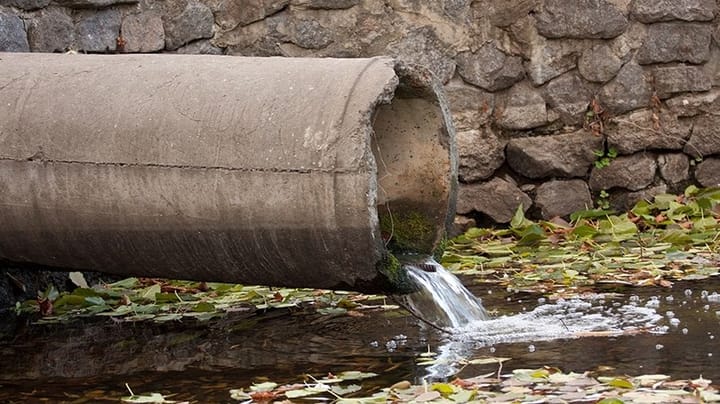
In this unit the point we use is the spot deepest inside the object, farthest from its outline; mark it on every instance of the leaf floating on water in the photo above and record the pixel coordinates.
(487, 360)
(622, 383)
(355, 375)
(147, 398)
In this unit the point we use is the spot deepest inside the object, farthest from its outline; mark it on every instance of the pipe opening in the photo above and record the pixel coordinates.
(414, 172)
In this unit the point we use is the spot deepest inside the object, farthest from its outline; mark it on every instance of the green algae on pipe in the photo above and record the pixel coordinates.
(252, 170)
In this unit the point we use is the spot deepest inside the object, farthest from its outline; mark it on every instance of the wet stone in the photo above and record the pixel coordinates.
(580, 19)
(480, 153)
(707, 172)
(50, 30)
(645, 129)
(599, 63)
(670, 80)
(97, 30)
(566, 155)
(12, 33)
(674, 167)
(497, 198)
(489, 68)
(649, 11)
(676, 42)
(705, 138)
(143, 32)
(629, 90)
(628, 172)
(522, 107)
(561, 198)
(195, 22)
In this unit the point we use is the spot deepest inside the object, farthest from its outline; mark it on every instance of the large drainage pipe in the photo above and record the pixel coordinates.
(288, 172)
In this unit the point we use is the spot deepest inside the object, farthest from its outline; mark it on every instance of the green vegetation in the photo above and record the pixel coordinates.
(408, 232)
(603, 158)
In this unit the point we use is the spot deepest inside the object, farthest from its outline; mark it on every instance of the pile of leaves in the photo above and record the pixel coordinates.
(541, 385)
(671, 238)
(160, 300)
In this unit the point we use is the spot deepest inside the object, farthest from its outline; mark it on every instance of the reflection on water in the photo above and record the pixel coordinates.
(202, 361)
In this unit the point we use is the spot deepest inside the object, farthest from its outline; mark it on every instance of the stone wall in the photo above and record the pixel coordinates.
(558, 104)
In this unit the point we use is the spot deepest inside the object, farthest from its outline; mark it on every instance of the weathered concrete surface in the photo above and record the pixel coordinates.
(130, 165)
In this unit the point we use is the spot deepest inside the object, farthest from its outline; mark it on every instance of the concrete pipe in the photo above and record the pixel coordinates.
(278, 171)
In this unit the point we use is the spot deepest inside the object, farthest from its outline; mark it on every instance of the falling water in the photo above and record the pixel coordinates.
(442, 299)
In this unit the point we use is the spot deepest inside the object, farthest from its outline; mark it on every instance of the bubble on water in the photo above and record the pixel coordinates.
(674, 322)
(391, 345)
(541, 300)
(688, 292)
(400, 337)
(669, 314)
(634, 298)
(617, 304)
(374, 344)
(492, 349)
(709, 353)
(714, 298)
(717, 313)
(684, 331)
(704, 294)
(653, 303)
(669, 298)
(659, 346)
(489, 292)
(712, 337)
(663, 329)
(706, 307)
(531, 348)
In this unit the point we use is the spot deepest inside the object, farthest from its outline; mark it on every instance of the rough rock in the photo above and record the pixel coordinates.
(569, 95)
(497, 198)
(489, 68)
(143, 32)
(461, 224)
(633, 172)
(599, 63)
(326, 4)
(200, 47)
(480, 153)
(422, 46)
(626, 45)
(695, 104)
(566, 155)
(97, 30)
(521, 107)
(305, 33)
(629, 90)
(644, 130)
(580, 19)
(561, 198)
(621, 200)
(705, 138)
(195, 22)
(12, 33)
(707, 173)
(504, 13)
(50, 30)
(712, 67)
(551, 58)
(231, 14)
(649, 11)
(676, 42)
(93, 3)
(674, 167)
(471, 107)
(670, 80)
(25, 4)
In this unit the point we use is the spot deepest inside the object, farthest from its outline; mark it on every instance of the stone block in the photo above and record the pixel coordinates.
(489, 68)
(551, 58)
(694, 104)
(622, 200)
(521, 107)
(599, 63)
(670, 80)
(569, 95)
(562, 197)
(705, 138)
(422, 46)
(629, 90)
(200, 47)
(674, 167)
(97, 30)
(707, 172)
(480, 153)
(194, 22)
(497, 198)
(650, 11)
(93, 3)
(566, 155)
(633, 173)
(143, 32)
(676, 42)
(646, 130)
(580, 19)
(26, 5)
(471, 107)
(13, 37)
(50, 30)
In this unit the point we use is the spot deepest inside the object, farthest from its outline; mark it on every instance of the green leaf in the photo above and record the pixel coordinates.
(149, 293)
(203, 307)
(343, 390)
(591, 214)
(488, 360)
(620, 383)
(443, 388)
(611, 401)
(127, 283)
(518, 220)
(355, 375)
(266, 386)
(95, 300)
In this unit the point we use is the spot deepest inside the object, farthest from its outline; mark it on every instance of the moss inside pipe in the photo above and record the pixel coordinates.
(408, 232)
(397, 276)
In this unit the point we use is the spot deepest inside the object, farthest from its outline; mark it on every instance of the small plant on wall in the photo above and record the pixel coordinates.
(604, 157)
